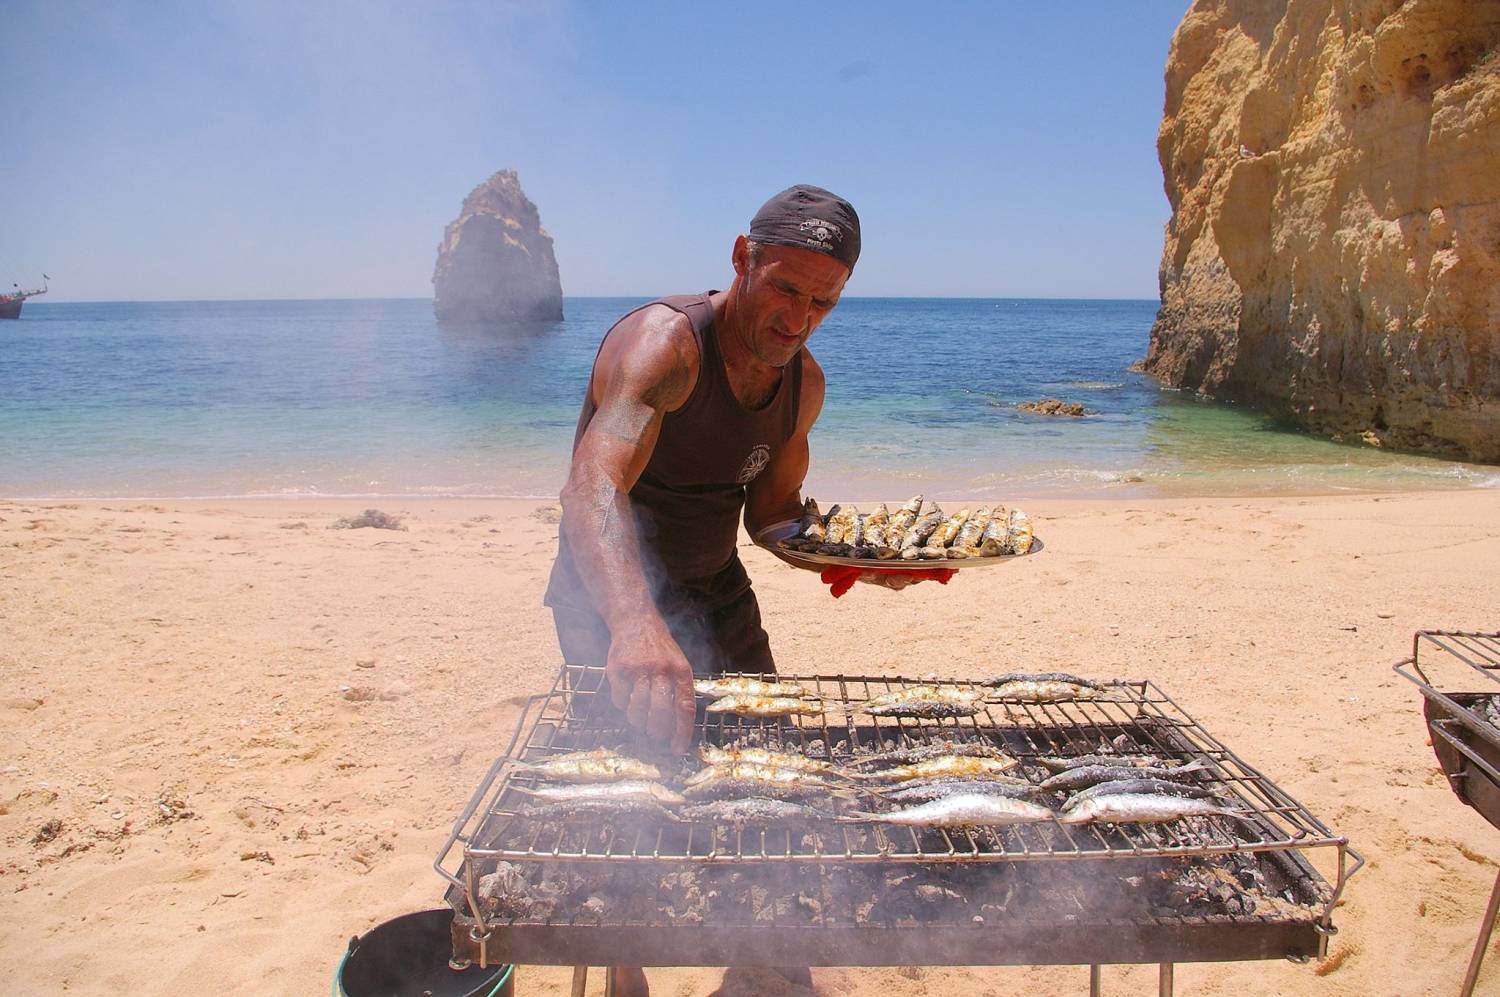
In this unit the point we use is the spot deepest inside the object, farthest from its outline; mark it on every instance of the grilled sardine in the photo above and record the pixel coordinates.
(1058, 763)
(812, 527)
(842, 522)
(739, 686)
(921, 752)
(738, 779)
(633, 790)
(1091, 775)
(1041, 677)
(921, 791)
(753, 810)
(766, 706)
(924, 527)
(1044, 692)
(596, 766)
(715, 755)
(992, 539)
(1140, 808)
(902, 520)
(950, 766)
(968, 536)
(926, 701)
(964, 810)
(1018, 533)
(1150, 787)
(949, 530)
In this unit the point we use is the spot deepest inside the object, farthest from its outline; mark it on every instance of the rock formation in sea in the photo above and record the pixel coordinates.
(495, 262)
(1333, 255)
(1054, 406)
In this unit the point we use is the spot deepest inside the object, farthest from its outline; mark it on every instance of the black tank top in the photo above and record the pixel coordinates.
(689, 498)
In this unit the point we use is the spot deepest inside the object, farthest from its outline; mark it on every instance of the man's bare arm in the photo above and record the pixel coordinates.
(776, 493)
(648, 367)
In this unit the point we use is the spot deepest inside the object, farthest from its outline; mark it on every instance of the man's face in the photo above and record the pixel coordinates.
(783, 296)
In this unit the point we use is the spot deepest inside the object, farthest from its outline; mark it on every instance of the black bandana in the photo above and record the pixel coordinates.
(809, 218)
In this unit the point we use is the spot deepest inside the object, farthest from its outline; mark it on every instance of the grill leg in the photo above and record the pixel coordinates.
(1096, 980)
(1486, 927)
(1164, 980)
(580, 980)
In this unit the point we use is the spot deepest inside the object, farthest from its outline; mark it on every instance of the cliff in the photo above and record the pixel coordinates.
(1333, 255)
(495, 262)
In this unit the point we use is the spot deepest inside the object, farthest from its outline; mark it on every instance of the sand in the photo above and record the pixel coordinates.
(233, 738)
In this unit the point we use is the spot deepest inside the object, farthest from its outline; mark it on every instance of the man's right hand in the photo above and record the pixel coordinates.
(652, 681)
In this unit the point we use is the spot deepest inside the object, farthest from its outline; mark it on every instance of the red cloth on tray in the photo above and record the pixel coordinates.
(841, 579)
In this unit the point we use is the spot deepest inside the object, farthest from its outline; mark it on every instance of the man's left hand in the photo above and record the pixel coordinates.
(841, 578)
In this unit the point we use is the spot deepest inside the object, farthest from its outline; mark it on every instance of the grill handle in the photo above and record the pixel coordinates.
(479, 794)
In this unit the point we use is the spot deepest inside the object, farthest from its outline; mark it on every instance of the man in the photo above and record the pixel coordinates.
(698, 407)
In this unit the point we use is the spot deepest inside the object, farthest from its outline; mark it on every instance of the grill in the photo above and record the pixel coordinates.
(866, 893)
(1465, 729)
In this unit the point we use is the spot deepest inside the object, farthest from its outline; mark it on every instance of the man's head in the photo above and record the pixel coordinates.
(791, 269)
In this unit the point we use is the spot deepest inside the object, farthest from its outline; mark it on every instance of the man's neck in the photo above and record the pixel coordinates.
(753, 381)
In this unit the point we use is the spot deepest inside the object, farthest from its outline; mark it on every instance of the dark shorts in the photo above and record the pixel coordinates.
(728, 639)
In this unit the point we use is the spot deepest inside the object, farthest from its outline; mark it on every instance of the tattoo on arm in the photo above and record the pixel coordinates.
(599, 521)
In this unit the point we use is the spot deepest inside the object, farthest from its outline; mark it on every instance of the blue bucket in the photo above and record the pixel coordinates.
(408, 956)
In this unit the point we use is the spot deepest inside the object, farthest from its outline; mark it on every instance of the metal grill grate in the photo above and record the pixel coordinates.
(1089, 893)
(572, 717)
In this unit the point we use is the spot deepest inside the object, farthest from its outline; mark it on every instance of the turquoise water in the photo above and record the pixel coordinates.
(178, 399)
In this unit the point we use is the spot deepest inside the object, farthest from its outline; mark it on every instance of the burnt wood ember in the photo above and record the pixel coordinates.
(640, 890)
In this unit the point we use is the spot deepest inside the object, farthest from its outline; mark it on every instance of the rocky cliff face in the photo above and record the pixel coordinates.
(495, 262)
(1334, 250)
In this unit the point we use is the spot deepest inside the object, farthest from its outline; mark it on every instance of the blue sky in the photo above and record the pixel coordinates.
(287, 150)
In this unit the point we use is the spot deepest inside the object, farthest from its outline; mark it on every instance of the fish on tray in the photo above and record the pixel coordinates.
(811, 527)
(926, 701)
(718, 688)
(753, 810)
(1141, 808)
(964, 810)
(596, 766)
(766, 706)
(946, 766)
(718, 755)
(738, 779)
(909, 533)
(1084, 776)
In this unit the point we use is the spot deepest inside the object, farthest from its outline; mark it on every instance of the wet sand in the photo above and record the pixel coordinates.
(233, 738)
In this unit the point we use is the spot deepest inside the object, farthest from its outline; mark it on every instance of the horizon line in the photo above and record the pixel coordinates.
(566, 297)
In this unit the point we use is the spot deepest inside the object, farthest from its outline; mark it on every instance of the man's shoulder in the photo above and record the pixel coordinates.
(650, 344)
(812, 372)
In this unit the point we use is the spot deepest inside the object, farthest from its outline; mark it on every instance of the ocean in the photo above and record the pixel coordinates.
(375, 398)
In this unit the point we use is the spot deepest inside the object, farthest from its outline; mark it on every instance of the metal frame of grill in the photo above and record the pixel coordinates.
(1467, 744)
(1275, 829)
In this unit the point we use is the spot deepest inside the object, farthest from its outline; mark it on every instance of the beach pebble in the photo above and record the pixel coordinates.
(364, 662)
(1385, 614)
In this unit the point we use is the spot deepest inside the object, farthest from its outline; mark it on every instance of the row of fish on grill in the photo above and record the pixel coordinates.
(938, 783)
(764, 698)
(911, 534)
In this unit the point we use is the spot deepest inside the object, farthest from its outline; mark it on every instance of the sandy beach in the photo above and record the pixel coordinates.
(233, 738)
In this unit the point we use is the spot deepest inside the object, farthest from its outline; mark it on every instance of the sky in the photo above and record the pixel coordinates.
(316, 149)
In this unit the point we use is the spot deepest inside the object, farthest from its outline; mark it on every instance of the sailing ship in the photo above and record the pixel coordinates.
(10, 301)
